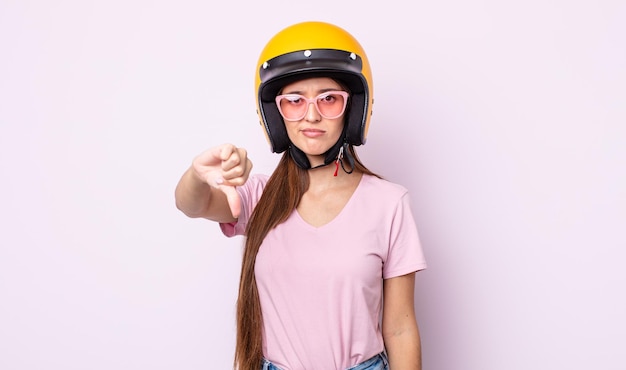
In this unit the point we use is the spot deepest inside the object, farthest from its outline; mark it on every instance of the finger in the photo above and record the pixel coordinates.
(210, 156)
(234, 202)
(226, 151)
(236, 158)
(248, 168)
(215, 155)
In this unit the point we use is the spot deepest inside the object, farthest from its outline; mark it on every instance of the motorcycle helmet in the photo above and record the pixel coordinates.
(313, 49)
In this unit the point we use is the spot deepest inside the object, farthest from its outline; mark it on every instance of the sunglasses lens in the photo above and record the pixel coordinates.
(330, 105)
(292, 107)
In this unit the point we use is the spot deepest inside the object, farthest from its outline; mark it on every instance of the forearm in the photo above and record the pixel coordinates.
(400, 330)
(192, 195)
(404, 350)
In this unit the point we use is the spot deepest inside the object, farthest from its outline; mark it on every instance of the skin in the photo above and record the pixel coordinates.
(314, 134)
(207, 189)
(400, 330)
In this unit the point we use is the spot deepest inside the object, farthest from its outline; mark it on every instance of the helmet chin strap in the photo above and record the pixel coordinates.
(337, 153)
(344, 150)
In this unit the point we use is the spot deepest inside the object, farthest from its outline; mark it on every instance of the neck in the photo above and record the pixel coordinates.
(324, 176)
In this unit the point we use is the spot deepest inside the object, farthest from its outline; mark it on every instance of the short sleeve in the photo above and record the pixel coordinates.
(405, 254)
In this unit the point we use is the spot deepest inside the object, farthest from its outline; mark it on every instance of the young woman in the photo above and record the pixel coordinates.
(331, 249)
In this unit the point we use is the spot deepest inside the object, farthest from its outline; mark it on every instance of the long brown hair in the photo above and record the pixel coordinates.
(281, 196)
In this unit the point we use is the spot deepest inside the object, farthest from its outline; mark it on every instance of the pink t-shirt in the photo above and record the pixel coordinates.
(321, 287)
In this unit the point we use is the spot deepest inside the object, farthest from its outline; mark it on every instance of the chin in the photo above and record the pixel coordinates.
(315, 147)
(313, 150)
(316, 152)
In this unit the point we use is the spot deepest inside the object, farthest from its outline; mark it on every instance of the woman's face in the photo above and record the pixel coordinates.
(314, 134)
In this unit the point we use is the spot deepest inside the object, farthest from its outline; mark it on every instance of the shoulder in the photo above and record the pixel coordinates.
(257, 181)
(254, 185)
(382, 188)
(249, 194)
(251, 191)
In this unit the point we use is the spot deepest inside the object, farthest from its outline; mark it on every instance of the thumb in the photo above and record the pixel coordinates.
(234, 202)
(214, 179)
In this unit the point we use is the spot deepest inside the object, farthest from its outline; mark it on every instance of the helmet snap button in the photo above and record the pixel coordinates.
(307, 53)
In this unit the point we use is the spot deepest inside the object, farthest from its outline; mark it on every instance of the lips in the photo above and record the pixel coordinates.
(312, 132)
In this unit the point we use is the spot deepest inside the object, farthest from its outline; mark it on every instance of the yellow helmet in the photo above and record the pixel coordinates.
(311, 49)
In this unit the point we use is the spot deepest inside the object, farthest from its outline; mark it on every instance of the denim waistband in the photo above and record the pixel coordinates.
(378, 362)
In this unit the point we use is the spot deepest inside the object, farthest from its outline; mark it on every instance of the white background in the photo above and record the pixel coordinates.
(506, 120)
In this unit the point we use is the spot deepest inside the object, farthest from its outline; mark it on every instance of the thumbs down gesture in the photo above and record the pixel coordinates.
(224, 167)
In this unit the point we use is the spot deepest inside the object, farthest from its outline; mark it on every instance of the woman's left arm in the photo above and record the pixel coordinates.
(400, 330)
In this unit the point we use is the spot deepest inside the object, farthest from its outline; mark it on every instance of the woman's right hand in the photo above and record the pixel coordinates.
(224, 167)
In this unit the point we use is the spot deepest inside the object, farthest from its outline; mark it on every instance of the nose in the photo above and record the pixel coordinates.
(312, 114)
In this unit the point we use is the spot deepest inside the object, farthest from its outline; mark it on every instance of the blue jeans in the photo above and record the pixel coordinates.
(378, 362)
